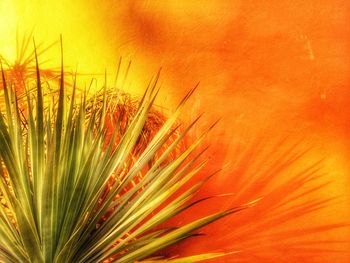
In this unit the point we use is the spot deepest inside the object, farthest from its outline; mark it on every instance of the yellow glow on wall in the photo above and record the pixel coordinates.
(85, 46)
(9, 19)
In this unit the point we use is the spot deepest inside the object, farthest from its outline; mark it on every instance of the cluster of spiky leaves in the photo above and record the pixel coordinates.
(58, 202)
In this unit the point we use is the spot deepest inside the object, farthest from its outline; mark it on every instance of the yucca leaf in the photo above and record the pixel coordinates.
(189, 259)
(169, 239)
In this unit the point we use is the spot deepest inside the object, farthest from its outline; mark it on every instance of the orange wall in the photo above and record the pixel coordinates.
(268, 69)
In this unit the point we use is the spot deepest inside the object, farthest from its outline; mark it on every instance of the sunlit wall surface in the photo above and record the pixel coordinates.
(274, 72)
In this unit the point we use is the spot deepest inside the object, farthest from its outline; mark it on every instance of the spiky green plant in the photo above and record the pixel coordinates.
(58, 202)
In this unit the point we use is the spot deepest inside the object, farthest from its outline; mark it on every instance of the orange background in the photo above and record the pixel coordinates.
(270, 70)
